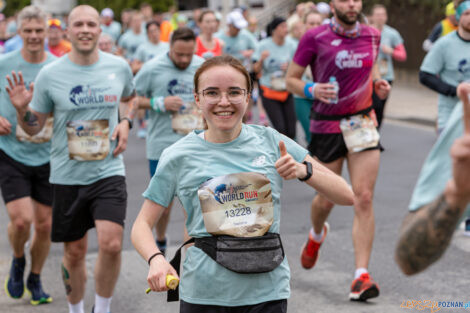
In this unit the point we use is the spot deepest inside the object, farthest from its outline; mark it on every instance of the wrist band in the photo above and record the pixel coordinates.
(308, 90)
(154, 255)
(158, 104)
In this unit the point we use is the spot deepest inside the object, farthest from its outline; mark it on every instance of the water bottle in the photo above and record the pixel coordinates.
(336, 90)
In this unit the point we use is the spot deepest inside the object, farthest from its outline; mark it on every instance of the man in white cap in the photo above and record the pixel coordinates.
(108, 25)
(238, 43)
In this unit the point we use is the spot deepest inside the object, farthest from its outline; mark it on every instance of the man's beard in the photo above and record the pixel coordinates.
(345, 19)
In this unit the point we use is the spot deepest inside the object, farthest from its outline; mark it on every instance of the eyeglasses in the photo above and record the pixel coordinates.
(235, 96)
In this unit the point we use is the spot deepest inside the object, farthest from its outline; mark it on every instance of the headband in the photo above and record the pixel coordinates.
(464, 6)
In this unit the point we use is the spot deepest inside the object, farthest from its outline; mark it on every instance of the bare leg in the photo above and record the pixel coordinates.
(321, 207)
(41, 241)
(20, 212)
(363, 169)
(74, 270)
(108, 264)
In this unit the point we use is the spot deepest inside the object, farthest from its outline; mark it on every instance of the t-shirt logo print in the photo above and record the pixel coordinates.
(349, 59)
(464, 66)
(87, 95)
(259, 161)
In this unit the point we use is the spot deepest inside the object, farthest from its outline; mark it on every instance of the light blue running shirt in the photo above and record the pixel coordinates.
(159, 77)
(437, 169)
(82, 93)
(450, 59)
(114, 30)
(391, 38)
(277, 56)
(148, 50)
(192, 161)
(129, 41)
(235, 45)
(27, 153)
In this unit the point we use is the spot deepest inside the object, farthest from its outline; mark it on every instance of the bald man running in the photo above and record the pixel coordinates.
(83, 90)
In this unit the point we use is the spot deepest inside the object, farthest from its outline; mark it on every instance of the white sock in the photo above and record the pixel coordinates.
(102, 305)
(315, 236)
(76, 308)
(359, 272)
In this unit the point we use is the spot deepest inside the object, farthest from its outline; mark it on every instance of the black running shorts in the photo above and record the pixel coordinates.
(330, 147)
(278, 306)
(18, 181)
(76, 207)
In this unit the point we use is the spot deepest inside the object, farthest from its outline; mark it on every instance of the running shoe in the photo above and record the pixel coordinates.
(363, 288)
(14, 284)
(310, 250)
(34, 287)
(162, 245)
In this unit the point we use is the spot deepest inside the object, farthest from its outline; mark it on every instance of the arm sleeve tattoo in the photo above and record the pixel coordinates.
(426, 235)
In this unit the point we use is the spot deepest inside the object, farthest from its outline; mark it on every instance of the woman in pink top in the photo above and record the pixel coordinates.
(207, 46)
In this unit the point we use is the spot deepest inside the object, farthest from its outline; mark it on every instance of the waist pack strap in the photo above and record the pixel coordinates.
(173, 295)
(322, 117)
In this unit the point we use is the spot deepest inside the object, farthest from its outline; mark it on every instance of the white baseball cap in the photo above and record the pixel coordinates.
(107, 12)
(236, 19)
(323, 8)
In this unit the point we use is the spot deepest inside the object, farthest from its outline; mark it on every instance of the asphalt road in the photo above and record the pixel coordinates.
(322, 289)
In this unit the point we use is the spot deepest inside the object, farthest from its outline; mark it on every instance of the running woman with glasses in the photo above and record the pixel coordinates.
(228, 178)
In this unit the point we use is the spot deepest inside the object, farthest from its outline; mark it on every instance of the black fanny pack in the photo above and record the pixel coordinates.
(244, 255)
(322, 117)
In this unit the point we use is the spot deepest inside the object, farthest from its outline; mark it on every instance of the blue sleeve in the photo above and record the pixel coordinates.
(437, 169)
(129, 87)
(142, 82)
(397, 39)
(41, 101)
(434, 61)
(162, 187)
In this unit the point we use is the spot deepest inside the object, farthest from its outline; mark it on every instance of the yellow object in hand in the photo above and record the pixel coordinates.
(171, 282)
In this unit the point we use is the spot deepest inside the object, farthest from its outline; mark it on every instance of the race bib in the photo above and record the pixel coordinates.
(383, 67)
(44, 135)
(237, 205)
(278, 81)
(88, 140)
(187, 119)
(359, 133)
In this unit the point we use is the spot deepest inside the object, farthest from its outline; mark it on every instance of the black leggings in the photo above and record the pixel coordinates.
(278, 306)
(281, 114)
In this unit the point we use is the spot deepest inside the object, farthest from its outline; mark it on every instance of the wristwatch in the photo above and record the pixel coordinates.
(129, 120)
(309, 171)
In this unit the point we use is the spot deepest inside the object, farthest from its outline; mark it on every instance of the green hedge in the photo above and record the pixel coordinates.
(116, 5)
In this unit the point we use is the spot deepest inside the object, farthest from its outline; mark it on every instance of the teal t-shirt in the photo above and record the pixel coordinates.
(129, 41)
(278, 55)
(148, 50)
(392, 38)
(151, 83)
(437, 169)
(192, 161)
(85, 103)
(450, 59)
(235, 45)
(28, 153)
(114, 30)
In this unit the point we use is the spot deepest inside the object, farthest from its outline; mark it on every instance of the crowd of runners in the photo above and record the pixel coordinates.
(71, 89)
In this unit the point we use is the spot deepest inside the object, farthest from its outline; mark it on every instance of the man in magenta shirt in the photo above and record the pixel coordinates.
(342, 57)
